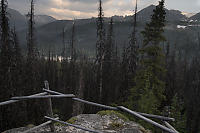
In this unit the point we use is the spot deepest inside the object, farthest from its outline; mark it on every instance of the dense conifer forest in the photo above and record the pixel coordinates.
(150, 75)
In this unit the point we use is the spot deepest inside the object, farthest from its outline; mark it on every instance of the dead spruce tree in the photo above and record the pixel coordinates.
(130, 56)
(108, 66)
(32, 70)
(100, 49)
(133, 51)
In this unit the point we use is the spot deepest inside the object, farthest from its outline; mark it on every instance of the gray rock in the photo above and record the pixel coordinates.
(106, 124)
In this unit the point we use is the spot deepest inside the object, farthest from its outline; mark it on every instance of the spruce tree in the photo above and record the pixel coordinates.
(107, 73)
(115, 75)
(5, 52)
(32, 55)
(130, 59)
(124, 92)
(171, 75)
(72, 46)
(177, 112)
(6, 84)
(133, 50)
(32, 80)
(148, 93)
(17, 62)
(73, 68)
(110, 44)
(31, 37)
(100, 49)
(18, 116)
(191, 95)
(109, 47)
(63, 54)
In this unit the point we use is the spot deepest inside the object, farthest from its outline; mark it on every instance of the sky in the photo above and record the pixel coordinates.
(76, 9)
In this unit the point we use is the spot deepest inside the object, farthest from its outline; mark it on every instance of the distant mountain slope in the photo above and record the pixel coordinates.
(50, 35)
(16, 19)
(20, 21)
(49, 31)
(56, 26)
(195, 17)
(145, 14)
(174, 15)
(43, 19)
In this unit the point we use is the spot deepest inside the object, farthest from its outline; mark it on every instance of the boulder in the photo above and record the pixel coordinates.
(106, 123)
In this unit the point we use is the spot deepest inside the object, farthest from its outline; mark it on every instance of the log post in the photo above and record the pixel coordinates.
(49, 107)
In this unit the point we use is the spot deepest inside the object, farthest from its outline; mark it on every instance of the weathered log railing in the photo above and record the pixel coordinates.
(48, 94)
(39, 126)
(14, 101)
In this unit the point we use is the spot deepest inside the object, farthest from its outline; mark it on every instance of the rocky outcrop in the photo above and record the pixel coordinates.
(106, 123)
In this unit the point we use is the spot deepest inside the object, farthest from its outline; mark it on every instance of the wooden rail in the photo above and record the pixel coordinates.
(43, 97)
(112, 108)
(14, 101)
(39, 126)
(48, 94)
(170, 126)
(146, 119)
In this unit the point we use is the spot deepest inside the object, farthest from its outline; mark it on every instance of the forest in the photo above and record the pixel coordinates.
(150, 75)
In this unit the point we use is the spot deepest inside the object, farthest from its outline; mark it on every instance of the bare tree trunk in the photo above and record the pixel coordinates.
(79, 107)
(101, 82)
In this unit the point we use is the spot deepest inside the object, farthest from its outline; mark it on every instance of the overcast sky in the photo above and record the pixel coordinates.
(70, 9)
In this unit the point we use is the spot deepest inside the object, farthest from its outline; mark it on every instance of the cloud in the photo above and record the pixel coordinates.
(70, 9)
(59, 13)
(88, 1)
(184, 5)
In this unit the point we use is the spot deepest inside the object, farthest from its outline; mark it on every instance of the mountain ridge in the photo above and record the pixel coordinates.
(146, 12)
(19, 21)
(49, 36)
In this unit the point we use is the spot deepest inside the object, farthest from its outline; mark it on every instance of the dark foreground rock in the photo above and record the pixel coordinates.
(105, 123)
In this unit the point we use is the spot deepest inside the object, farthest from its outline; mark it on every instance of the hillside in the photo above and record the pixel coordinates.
(16, 19)
(20, 21)
(49, 30)
(43, 19)
(171, 15)
(195, 17)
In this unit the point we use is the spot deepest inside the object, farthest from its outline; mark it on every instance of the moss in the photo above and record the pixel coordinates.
(72, 120)
(115, 125)
(111, 112)
(59, 124)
